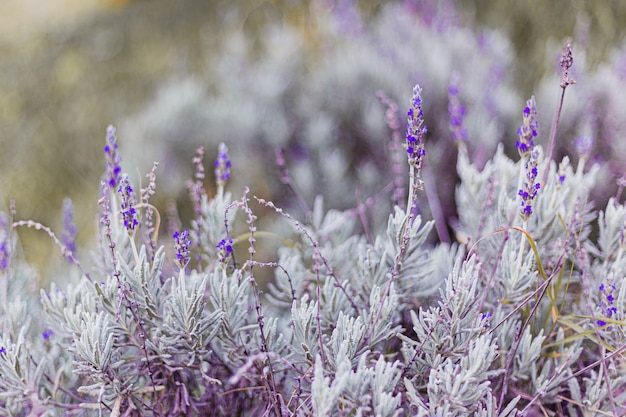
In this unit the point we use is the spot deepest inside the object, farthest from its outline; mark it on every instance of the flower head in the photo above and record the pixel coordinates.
(129, 213)
(456, 112)
(5, 243)
(113, 160)
(182, 243)
(222, 166)
(225, 248)
(531, 186)
(46, 334)
(583, 145)
(416, 130)
(528, 130)
(68, 238)
(607, 303)
(196, 187)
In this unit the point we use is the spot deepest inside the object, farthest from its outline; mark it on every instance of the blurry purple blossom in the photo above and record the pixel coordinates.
(182, 243)
(528, 130)
(5, 243)
(68, 237)
(196, 187)
(222, 166)
(113, 160)
(2, 350)
(46, 334)
(129, 213)
(456, 111)
(347, 17)
(531, 186)
(583, 145)
(393, 121)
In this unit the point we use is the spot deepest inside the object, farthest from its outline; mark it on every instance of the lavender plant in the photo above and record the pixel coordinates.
(523, 316)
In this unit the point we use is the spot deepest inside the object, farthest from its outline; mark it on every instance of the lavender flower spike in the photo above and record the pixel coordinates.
(456, 112)
(129, 214)
(528, 130)
(5, 242)
(113, 160)
(222, 166)
(607, 302)
(182, 244)
(225, 250)
(68, 238)
(416, 130)
(529, 190)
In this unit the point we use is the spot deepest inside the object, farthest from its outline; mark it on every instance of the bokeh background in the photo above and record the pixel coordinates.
(258, 75)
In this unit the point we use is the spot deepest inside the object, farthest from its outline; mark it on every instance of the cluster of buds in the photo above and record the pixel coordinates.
(528, 130)
(456, 112)
(129, 213)
(415, 132)
(182, 243)
(607, 304)
(112, 159)
(531, 186)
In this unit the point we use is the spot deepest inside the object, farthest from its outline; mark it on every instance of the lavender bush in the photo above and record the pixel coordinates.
(522, 316)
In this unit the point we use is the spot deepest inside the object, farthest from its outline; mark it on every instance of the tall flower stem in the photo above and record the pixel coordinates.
(566, 62)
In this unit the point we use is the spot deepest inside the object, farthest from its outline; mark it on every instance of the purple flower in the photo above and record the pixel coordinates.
(528, 130)
(607, 301)
(416, 130)
(225, 248)
(583, 146)
(485, 319)
(456, 111)
(531, 186)
(46, 334)
(2, 350)
(113, 160)
(222, 166)
(182, 243)
(129, 214)
(68, 237)
(5, 243)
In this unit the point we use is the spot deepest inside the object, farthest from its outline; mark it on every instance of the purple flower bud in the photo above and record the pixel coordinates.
(607, 301)
(225, 247)
(222, 166)
(2, 350)
(113, 160)
(46, 334)
(531, 186)
(528, 130)
(456, 112)
(583, 145)
(68, 238)
(416, 130)
(129, 213)
(182, 243)
(5, 243)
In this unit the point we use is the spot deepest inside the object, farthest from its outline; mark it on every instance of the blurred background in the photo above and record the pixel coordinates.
(292, 74)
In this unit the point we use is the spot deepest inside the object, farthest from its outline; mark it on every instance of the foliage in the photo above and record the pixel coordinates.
(524, 315)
